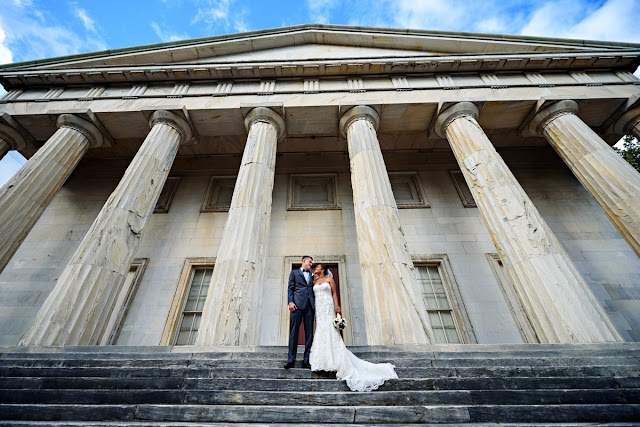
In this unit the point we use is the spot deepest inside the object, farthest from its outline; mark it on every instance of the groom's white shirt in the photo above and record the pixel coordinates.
(306, 274)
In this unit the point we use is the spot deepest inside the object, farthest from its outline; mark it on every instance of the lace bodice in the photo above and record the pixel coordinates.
(328, 352)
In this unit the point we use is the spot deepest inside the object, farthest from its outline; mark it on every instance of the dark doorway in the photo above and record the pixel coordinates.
(333, 267)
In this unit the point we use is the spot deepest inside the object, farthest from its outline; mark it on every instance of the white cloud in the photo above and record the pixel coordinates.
(218, 15)
(213, 12)
(320, 11)
(614, 20)
(29, 34)
(166, 36)
(6, 56)
(88, 23)
(22, 3)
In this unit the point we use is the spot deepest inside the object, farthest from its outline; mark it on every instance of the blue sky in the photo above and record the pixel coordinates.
(34, 29)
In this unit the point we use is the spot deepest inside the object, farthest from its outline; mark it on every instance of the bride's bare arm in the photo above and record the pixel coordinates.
(334, 294)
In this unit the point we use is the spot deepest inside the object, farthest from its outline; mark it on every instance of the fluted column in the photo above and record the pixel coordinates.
(393, 303)
(4, 148)
(78, 308)
(613, 182)
(629, 123)
(26, 195)
(10, 139)
(555, 296)
(231, 313)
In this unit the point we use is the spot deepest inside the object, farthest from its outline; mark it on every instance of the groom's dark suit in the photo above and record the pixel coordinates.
(300, 292)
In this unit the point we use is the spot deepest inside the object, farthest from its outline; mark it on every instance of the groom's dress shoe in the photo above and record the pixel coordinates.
(289, 365)
(306, 365)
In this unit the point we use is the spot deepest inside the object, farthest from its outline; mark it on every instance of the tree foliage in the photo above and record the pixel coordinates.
(630, 151)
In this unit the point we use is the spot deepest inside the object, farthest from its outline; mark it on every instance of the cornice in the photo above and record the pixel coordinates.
(619, 60)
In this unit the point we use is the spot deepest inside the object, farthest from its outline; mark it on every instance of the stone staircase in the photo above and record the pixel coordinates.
(455, 385)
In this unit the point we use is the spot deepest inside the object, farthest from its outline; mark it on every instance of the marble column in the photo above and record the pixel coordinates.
(556, 298)
(629, 123)
(10, 139)
(231, 313)
(26, 195)
(394, 308)
(610, 179)
(78, 308)
(4, 147)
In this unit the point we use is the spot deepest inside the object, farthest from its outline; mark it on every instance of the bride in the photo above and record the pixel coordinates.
(328, 352)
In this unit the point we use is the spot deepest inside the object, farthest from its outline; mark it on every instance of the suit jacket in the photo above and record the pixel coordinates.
(300, 292)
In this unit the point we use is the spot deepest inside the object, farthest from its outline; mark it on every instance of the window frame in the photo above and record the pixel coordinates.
(291, 196)
(111, 337)
(457, 177)
(206, 202)
(173, 182)
(513, 300)
(170, 332)
(460, 316)
(422, 202)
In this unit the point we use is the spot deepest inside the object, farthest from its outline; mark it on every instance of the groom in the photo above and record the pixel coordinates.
(302, 305)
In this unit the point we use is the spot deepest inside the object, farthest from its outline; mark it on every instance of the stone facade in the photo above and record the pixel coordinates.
(393, 208)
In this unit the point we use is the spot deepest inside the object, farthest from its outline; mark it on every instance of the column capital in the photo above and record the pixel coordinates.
(453, 112)
(359, 112)
(12, 137)
(265, 115)
(628, 120)
(547, 114)
(85, 127)
(173, 120)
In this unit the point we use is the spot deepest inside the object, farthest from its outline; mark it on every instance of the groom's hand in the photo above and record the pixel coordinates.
(292, 307)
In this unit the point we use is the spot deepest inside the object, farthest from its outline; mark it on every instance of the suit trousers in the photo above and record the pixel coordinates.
(306, 316)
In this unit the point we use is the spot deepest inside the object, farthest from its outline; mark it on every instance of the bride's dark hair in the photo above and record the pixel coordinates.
(325, 270)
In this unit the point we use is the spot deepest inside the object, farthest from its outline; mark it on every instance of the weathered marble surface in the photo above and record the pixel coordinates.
(233, 308)
(559, 303)
(78, 308)
(25, 196)
(394, 307)
(610, 179)
(4, 148)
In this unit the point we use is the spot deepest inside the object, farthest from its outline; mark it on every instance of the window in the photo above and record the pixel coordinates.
(166, 196)
(443, 302)
(219, 194)
(113, 327)
(183, 322)
(192, 311)
(513, 299)
(463, 189)
(313, 192)
(407, 190)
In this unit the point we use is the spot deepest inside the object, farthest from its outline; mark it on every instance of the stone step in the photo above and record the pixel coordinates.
(277, 363)
(327, 414)
(205, 424)
(280, 373)
(280, 353)
(423, 348)
(317, 398)
(317, 384)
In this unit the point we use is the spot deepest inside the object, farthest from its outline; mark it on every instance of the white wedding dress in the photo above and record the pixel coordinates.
(328, 352)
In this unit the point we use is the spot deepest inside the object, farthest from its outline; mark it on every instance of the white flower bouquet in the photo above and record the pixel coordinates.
(339, 322)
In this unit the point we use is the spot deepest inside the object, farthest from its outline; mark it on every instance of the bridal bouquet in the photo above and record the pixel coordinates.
(339, 322)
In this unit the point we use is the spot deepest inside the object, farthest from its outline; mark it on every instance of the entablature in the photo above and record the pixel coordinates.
(312, 118)
(615, 61)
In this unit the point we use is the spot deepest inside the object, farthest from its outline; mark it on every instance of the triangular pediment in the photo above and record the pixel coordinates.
(313, 52)
(318, 42)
